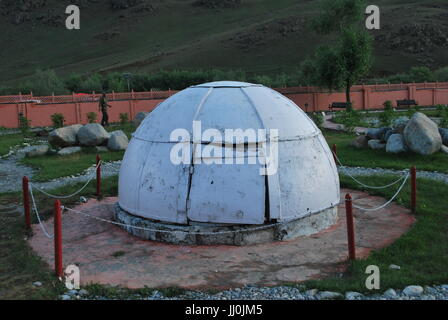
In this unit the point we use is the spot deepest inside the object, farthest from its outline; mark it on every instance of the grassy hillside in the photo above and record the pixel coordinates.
(259, 36)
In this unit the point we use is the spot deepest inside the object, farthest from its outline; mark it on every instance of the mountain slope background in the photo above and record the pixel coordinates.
(257, 36)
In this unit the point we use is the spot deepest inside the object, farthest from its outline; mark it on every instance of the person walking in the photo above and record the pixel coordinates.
(103, 105)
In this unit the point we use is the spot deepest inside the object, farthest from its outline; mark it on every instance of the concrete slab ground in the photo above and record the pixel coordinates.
(109, 255)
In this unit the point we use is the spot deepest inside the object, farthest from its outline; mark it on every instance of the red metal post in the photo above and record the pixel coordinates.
(58, 239)
(350, 227)
(26, 202)
(335, 153)
(98, 175)
(413, 189)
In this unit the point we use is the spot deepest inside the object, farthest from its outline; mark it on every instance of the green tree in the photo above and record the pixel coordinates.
(45, 83)
(345, 62)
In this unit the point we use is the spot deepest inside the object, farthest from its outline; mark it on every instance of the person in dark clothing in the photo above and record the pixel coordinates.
(103, 108)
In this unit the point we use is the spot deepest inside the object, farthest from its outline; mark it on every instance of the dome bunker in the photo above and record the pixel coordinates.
(227, 163)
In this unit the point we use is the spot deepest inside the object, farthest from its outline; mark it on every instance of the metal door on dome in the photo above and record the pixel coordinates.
(227, 193)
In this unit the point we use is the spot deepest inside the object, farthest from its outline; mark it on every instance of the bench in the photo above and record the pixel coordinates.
(406, 103)
(338, 105)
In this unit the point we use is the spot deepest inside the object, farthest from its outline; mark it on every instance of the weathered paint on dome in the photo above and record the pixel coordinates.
(306, 180)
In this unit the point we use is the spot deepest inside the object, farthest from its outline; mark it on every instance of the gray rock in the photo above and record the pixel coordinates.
(400, 123)
(139, 117)
(390, 293)
(118, 142)
(66, 297)
(396, 144)
(413, 291)
(444, 134)
(376, 133)
(72, 292)
(388, 134)
(394, 267)
(37, 151)
(37, 284)
(311, 292)
(118, 133)
(83, 292)
(422, 135)
(329, 295)
(83, 199)
(69, 150)
(64, 137)
(92, 134)
(352, 295)
(360, 142)
(376, 144)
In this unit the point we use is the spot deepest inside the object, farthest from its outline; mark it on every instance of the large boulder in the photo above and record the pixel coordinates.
(139, 118)
(388, 134)
(444, 134)
(118, 141)
(422, 135)
(396, 144)
(36, 151)
(65, 136)
(376, 133)
(69, 150)
(360, 142)
(444, 149)
(400, 123)
(118, 133)
(376, 144)
(92, 134)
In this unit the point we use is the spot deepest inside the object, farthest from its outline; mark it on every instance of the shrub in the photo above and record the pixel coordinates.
(93, 83)
(443, 114)
(44, 83)
(124, 118)
(350, 119)
(24, 124)
(441, 74)
(388, 105)
(421, 74)
(318, 118)
(92, 117)
(386, 118)
(58, 120)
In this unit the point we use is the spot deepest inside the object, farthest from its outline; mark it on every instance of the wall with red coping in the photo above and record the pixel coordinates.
(309, 99)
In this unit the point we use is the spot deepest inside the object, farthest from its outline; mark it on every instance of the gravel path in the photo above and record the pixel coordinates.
(436, 292)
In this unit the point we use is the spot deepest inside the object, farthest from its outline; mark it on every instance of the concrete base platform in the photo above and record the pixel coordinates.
(207, 234)
(107, 254)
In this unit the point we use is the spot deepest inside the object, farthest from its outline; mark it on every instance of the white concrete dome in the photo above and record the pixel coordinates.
(153, 187)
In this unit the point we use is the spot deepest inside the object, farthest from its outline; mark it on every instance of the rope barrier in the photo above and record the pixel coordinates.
(365, 185)
(38, 216)
(388, 202)
(70, 195)
(170, 231)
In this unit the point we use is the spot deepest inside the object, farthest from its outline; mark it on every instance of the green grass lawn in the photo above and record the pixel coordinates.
(51, 167)
(10, 140)
(350, 156)
(421, 252)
